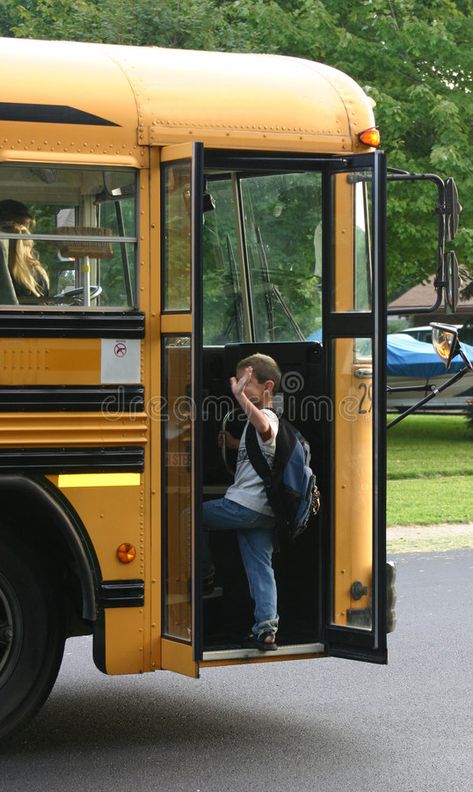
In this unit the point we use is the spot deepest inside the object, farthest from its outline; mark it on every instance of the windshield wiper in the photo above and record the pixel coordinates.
(237, 313)
(272, 293)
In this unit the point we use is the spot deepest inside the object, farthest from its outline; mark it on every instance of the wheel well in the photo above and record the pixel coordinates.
(39, 515)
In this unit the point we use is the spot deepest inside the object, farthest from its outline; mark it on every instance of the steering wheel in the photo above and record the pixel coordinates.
(75, 296)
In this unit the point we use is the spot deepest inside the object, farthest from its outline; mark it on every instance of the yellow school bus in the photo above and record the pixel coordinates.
(181, 210)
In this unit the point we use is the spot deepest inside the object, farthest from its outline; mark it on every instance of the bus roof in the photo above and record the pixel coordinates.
(105, 101)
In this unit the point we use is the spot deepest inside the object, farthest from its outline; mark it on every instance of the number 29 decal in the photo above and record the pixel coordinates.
(365, 402)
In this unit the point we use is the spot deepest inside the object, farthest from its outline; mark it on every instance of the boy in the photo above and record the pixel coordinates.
(245, 506)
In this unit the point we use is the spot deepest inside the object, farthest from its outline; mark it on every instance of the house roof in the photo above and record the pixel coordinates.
(423, 296)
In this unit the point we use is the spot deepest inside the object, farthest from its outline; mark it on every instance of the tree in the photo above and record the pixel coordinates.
(413, 57)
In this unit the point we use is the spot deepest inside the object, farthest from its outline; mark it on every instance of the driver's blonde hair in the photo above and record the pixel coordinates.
(23, 264)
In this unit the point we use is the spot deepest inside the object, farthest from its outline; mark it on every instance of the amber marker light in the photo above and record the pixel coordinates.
(126, 553)
(371, 137)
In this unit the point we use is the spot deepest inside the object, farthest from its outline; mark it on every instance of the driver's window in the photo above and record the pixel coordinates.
(69, 237)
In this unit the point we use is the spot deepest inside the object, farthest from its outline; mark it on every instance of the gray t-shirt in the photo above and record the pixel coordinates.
(248, 488)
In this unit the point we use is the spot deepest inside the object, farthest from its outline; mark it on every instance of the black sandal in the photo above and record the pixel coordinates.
(252, 642)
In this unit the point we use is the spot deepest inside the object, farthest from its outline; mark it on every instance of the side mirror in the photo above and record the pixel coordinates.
(446, 344)
(452, 280)
(453, 208)
(416, 234)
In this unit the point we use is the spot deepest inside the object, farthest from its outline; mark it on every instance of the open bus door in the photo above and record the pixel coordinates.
(355, 345)
(181, 188)
(350, 563)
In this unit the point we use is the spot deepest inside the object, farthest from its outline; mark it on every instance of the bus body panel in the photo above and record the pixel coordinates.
(237, 100)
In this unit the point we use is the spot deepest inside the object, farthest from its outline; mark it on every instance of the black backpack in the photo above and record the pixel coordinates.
(290, 484)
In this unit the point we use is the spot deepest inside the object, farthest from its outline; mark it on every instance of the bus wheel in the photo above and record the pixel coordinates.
(31, 634)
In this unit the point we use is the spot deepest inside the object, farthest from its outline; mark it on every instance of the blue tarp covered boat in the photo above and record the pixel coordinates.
(408, 357)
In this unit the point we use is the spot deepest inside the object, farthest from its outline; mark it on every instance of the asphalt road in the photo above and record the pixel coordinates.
(329, 725)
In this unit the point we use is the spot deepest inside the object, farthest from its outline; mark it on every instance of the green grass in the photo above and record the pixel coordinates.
(430, 471)
(423, 446)
(430, 501)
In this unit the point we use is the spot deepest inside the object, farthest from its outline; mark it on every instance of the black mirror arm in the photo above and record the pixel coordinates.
(464, 358)
(404, 388)
(431, 395)
(440, 279)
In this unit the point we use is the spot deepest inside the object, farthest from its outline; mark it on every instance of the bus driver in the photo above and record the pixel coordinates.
(30, 279)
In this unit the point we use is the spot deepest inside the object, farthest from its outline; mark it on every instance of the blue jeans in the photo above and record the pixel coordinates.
(255, 539)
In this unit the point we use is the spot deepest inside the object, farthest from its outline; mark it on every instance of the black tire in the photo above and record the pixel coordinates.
(31, 633)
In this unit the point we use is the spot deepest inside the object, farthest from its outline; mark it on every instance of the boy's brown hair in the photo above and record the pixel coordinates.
(264, 368)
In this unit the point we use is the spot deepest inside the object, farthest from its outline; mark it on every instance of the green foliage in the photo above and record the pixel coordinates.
(413, 57)
(52, 19)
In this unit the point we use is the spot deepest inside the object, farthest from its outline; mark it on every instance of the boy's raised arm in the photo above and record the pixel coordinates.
(253, 413)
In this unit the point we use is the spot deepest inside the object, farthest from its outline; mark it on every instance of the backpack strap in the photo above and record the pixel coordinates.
(263, 470)
(256, 456)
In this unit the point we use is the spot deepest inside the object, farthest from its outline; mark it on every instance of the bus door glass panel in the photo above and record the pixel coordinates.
(177, 487)
(81, 225)
(283, 232)
(223, 297)
(352, 483)
(181, 282)
(352, 284)
(177, 227)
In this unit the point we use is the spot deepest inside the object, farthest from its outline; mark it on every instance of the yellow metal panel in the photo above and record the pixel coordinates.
(246, 100)
(124, 641)
(160, 96)
(147, 305)
(269, 141)
(72, 429)
(181, 151)
(61, 74)
(50, 361)
(353, 484)
(104, 159)
(344, 220)
(176, 323)
(177, 657)
(98, 480)
(113, 515)
(154, 361)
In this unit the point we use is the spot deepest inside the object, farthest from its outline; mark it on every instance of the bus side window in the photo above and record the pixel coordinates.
(78, 227)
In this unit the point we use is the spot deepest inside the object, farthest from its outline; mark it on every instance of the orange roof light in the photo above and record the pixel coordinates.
(370, 137)
(126, 553)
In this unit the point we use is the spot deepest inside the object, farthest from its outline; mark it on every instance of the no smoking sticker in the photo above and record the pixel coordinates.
(120, 364)
(120, 349)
